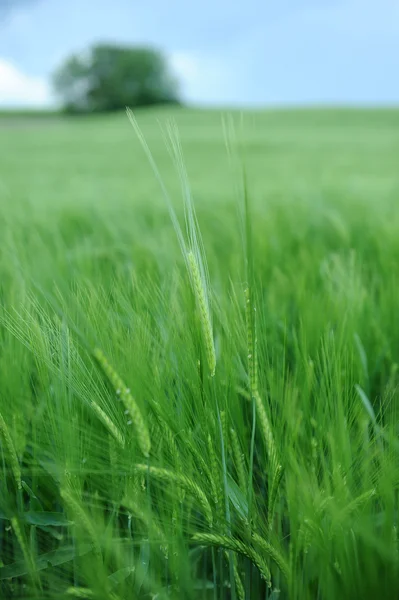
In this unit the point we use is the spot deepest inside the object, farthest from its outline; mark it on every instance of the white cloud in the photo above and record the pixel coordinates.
(202, 78)
(17, 89)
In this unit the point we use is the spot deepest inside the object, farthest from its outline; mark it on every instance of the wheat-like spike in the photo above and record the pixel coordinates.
(223, 420)
(203, 310)
(82, 519)
(323, 504)
(255, 361)
(237, 577)
(277, 476)
(357, 502)
(108, 423)
(171, 443)
(238, 458)
(152, 525)
(253, 378)
(143, 436)
(174, 453)
(266, 431)
(113, 460)
(79, 592)
(273, 554)
(235, 545)
(183, 480)
(243, 392)
(8, 443)
(239, 586)
(202, 465)
(395, 545)
(308, 528)
(216, 484)
(251, 343)
(24, 547)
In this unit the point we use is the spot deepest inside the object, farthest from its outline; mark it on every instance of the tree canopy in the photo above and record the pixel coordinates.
(108, 78)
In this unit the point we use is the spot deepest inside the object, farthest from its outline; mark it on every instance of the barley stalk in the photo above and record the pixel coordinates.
(8, 443)
(203, 307)
(235, 545)
(143, 436)
(180, 479)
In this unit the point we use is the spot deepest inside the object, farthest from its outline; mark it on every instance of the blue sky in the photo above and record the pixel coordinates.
(225, 52)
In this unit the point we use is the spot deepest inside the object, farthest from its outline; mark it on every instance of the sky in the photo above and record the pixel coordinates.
(224, 52)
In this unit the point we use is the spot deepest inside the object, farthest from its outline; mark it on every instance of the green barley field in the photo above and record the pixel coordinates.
(199, 350)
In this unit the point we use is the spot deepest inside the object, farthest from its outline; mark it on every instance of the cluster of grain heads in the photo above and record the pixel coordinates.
(203, 307)
(259, 553)
(138, 422)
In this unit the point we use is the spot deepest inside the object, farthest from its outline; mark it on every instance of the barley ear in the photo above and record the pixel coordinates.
(251, 343)
(82, 519)
(229, 543)
(273, 494)
(272, 553)
(8, 443)
(141, 429)
(79, 592)
(266, 430)
(30, 564)
(216, 483)
(203, 308)
(185, 482)
(238, 459)
(237, 577)
(108, 423)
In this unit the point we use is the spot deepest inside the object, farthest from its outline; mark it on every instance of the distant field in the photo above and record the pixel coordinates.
(274, 478)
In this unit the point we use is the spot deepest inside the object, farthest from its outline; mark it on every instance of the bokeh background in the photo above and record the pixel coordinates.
(224, 53)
